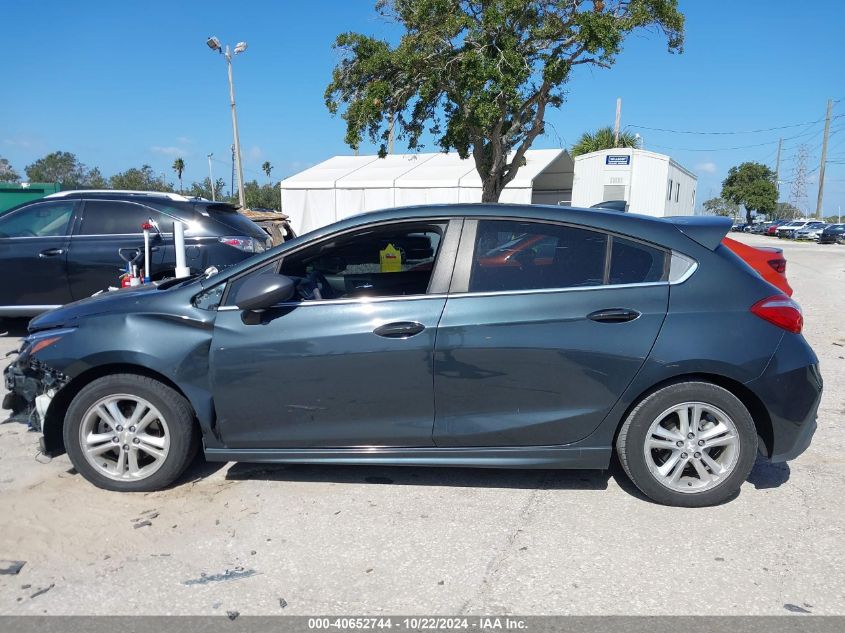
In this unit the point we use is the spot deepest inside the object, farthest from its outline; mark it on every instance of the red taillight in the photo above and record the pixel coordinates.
(782, 311)
(779, 265)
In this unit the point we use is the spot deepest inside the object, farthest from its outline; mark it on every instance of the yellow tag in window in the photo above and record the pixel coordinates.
(390, 259)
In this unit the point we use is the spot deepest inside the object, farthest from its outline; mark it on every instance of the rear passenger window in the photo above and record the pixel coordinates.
(529, 255)
(635, 263)
(108, 217)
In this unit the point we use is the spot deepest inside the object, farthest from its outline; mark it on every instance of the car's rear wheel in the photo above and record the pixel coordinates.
(127, 432)
(688, 444)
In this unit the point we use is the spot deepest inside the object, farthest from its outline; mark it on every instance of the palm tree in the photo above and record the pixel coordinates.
(603, 139)
(179, 167)
(267, 167)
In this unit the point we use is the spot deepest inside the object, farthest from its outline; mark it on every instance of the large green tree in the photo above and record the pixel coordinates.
(753, 186)
(141, 179)
(720, 206)
(61, 167)
(95, 180)
(603, 138)
(261, 196)
(203, 189)
(479, 75)
(7, 172)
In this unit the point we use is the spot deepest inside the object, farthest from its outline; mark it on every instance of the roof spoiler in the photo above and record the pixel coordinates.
(707, 230)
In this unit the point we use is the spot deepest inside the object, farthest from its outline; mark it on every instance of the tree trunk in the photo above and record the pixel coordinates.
(491, 189)
(748, 218)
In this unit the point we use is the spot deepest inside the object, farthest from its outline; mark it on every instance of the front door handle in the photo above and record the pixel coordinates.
(400, 329)
(614, 315)
(52, 252)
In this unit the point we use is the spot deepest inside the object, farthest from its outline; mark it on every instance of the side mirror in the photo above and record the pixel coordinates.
(263, 291)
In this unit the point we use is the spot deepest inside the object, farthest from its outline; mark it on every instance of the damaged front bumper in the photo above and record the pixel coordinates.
(32, 386)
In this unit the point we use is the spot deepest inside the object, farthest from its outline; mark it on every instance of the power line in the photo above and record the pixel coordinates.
(768, 129)
(725, 149)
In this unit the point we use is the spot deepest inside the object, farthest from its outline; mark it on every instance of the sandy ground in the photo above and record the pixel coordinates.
(369, 540)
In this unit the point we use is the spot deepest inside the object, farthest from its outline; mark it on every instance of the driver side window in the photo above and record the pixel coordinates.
(384, 261)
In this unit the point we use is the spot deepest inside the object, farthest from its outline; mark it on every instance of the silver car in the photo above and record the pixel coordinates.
(811, 231)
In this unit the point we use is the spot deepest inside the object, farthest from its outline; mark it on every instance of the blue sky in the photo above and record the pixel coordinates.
(130, 82)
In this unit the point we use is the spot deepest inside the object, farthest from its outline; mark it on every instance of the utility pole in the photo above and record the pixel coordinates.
(824, 159)
(214, 44)
(618, 121)
(777, 167)
(211, 178)
(232, 181)
(235, 128)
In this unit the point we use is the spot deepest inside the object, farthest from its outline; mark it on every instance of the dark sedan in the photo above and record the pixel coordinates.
(833, 234)
(393, 338)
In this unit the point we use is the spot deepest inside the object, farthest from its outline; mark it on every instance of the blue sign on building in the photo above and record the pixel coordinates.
(610, 159)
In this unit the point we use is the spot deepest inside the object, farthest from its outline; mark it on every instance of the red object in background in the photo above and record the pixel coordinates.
(766, 260)
(508, 254)
(772, 230)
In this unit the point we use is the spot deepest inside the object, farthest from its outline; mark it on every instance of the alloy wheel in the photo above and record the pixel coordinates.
(692, 447)
(124, 437)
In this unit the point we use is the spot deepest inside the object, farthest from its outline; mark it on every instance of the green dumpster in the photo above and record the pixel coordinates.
(13, 194)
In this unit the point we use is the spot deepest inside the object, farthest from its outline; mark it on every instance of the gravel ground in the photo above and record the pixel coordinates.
(371, 540)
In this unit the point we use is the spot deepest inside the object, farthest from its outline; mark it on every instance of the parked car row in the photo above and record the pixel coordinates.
(815, 230)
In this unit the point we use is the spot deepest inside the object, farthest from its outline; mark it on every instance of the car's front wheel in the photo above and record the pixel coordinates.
(688, 444)
(129, 433)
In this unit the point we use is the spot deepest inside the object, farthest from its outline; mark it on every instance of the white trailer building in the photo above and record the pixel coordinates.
(342, 186)
(651, 183)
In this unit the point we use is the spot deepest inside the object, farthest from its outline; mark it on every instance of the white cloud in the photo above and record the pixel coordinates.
(169, 150)
(17, 142)
(184, 140)
(707, 168)
(255, 153)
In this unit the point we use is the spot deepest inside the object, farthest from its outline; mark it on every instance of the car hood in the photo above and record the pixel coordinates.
(121, 300)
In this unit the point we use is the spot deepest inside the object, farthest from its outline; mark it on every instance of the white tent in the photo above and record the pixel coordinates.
(347, 185)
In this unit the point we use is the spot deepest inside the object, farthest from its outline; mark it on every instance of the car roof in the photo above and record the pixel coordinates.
(706, 230)
(150, 197)
(127, 193)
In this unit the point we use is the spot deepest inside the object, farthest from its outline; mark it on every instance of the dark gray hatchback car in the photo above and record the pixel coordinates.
(473, 335)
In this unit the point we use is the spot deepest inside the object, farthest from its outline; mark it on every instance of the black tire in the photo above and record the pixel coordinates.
(173, 407)
(631, 442)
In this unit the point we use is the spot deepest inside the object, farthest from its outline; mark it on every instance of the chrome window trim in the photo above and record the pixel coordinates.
(16, 309)
(535, 291)
(362, 301)
(35, 237)
(457, 295)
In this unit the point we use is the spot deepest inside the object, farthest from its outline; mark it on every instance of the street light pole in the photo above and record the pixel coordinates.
(211, 178)
(214, 44)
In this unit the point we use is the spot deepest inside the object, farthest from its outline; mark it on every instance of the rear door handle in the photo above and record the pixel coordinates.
(400, 329)
(52, 252)
(614, 315)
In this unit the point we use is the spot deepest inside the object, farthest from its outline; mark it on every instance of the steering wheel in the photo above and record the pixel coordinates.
(314, 286)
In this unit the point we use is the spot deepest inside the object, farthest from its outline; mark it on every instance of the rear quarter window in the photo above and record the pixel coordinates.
(636, 263)
(237, 223)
